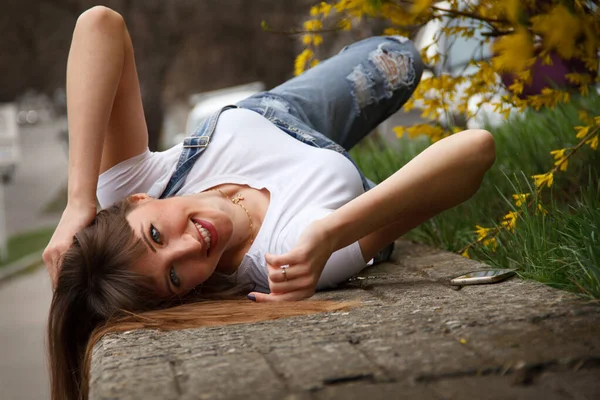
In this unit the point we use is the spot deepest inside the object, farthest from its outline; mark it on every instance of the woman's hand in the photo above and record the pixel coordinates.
(303, 266)
(74, 218)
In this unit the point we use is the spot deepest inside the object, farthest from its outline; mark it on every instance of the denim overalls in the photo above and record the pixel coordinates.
(331, 106)
(194, 146)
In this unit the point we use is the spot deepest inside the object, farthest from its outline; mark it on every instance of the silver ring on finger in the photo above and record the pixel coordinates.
(284, 273)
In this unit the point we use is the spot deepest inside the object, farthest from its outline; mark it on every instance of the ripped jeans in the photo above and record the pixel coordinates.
(341, 100)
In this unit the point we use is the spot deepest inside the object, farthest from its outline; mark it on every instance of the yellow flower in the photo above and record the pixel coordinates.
(558, 153)
(482, 232)
(559, 30)
(582, 131)
(399, 131)
(317, 40)
(465, 254)
(585, 117)
(345, 5)
(409, 105)
(517, 87)
(509, 221)
(434, 132)
(513, 51)
(520, 198)
(313, 25)
(542, 209)
(593, 142)
(584, 90)
(392, 31)
(559, 156)
(511, 7)
(314, 63)
(563, 162)
(579, 79)
(397, 15)
(345, 24)
(548, 98)
(547, 59)
(306, 39)
(322, 9)
(462, 341)
(325, 8)
(491, 242)
(420, 5)
(542, 180)
(301, 61)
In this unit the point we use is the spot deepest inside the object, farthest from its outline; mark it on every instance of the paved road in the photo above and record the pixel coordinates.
(409, 336)
(24, 301)
(39, 178)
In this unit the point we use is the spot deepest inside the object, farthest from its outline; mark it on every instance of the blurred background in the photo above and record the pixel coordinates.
(194, 56)
(182, 48)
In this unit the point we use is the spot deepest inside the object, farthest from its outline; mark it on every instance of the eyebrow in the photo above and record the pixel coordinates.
(170, 290)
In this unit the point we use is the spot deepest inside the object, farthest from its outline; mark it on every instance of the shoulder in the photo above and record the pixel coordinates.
(135, 175)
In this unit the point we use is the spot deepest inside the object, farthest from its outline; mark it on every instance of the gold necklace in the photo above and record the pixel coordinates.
(236, 200)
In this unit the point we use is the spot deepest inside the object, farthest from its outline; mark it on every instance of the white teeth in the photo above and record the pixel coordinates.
(205, 234)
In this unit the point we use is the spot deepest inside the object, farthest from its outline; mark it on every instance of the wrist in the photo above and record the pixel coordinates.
(81, 205)
(327, 234)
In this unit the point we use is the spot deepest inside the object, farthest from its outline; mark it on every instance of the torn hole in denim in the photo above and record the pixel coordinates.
(275, 103)
(395, 67)
(399, 39)
(363, 87)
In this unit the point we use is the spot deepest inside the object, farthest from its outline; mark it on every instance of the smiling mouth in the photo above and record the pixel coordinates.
(204, 234)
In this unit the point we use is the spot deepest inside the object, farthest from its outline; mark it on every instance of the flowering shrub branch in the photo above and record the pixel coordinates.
(487, 236)
(520, 46)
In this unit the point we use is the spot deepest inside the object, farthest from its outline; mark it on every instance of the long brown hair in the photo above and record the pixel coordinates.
(97, 293)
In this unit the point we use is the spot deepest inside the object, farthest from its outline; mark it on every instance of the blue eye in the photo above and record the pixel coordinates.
(174, 278)
(155, 235)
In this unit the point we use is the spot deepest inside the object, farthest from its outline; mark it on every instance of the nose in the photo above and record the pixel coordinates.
(186, 247)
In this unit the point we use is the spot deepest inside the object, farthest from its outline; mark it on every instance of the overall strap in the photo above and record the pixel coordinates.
(193, 146)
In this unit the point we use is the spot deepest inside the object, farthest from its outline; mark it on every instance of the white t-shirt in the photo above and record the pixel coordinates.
(305, 183)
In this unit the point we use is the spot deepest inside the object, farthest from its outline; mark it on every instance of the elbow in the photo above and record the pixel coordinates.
(482, 147)
(100, 17)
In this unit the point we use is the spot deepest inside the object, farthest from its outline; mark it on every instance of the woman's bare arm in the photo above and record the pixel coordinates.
(444, 175)
(106, 118)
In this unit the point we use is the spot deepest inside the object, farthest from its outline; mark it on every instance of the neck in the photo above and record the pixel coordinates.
(243, 231)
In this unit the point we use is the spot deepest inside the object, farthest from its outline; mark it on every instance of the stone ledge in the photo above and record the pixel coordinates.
(412, 337)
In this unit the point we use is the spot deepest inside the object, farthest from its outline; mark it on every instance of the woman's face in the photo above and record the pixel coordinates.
(185, 239)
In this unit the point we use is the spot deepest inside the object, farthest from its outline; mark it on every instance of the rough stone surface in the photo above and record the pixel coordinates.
(413, 336)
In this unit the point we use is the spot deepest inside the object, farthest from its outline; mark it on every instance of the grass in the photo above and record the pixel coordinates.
(26, 243)
(562, 248)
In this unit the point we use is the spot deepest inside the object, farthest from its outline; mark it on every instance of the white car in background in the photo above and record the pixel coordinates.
(10, 146)
(206, 103)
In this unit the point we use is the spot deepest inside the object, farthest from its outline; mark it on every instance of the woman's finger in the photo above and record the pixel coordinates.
(274, 297)
(292, 257)
(278, 274)
(51, 257)
(301, 283)
(293, 271)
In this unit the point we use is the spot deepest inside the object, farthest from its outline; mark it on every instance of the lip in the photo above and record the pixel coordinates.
(213, 233)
